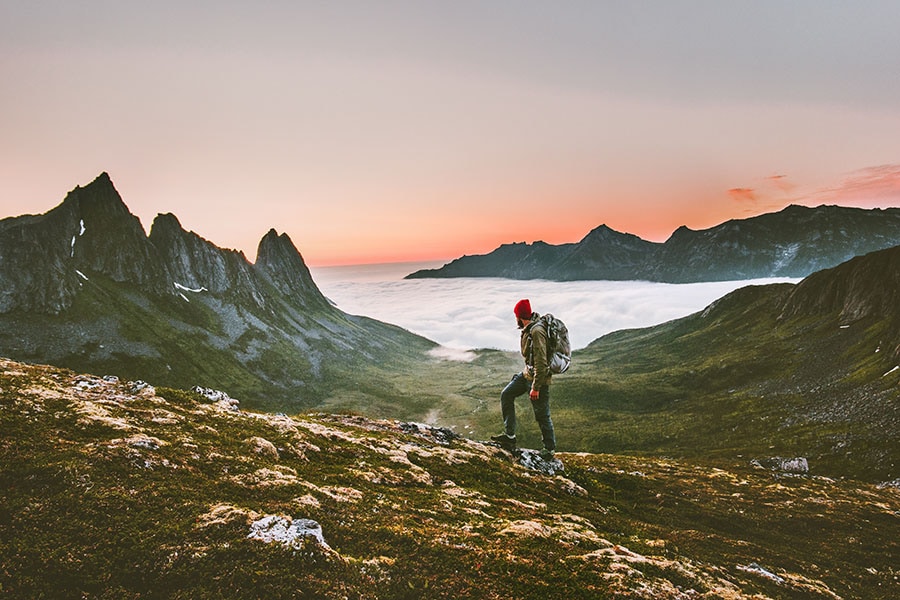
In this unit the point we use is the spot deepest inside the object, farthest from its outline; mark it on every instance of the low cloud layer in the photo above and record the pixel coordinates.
(469, 313)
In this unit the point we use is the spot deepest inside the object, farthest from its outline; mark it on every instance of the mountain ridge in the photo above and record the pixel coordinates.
(84, 286)
(793, 242)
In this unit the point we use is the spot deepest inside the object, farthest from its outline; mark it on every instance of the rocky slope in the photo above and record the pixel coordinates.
(794, 242)
(83, 286)
(114, 489)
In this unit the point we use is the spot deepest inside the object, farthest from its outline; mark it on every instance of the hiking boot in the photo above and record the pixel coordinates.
(547, 454)
(506, 441)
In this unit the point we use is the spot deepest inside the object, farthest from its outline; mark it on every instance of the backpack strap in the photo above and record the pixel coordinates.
(540, 321)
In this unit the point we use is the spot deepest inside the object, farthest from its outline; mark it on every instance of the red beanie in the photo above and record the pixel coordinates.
(523, 309)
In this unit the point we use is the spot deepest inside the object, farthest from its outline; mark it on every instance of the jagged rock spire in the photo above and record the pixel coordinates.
(90, 231)
(196, 263)
(279, 260)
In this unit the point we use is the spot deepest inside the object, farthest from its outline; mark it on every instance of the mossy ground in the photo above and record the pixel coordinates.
(107, 491)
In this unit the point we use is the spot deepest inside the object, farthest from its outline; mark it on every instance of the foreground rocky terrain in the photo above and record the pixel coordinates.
(117, 489)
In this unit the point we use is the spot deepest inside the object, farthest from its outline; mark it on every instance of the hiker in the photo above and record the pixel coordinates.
(534, 379)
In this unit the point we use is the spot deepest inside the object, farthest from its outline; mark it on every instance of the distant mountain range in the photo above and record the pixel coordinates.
(83, 286)
(794, 242)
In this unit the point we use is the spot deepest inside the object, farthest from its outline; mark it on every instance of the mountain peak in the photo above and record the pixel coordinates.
(278, 258)
(167, 220)
(681, 232)
(98, 200)
(102, 178)
(606, 233)
(275, 246)
(108, 238)
(91, 231)
(601, 231)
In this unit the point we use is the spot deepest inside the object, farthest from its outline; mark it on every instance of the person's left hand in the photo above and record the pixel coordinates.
(534, 395)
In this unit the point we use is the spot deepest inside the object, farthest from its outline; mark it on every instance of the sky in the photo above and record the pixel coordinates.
(434, 308)
(421, 130)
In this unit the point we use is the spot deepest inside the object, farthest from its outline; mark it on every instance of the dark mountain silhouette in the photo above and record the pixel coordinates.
(794, 242)
(83, 286)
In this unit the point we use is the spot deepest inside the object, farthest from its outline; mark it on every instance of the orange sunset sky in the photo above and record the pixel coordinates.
(401, 131)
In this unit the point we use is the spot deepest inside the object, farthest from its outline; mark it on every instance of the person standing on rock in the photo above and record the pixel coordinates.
(533, 379)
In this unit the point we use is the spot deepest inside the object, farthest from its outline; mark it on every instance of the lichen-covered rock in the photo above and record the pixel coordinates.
(218, 397)
(263, 447)
(287, 531)
(798, 465)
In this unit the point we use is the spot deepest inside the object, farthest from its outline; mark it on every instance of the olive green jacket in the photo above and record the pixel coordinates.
(534, 350)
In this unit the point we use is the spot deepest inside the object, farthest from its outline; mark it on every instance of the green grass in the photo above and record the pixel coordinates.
(84, 512)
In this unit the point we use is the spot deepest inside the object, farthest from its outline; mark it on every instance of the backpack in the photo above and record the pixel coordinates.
(559, 351)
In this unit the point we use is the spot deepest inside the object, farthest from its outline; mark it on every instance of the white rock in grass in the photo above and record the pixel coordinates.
(290, 532)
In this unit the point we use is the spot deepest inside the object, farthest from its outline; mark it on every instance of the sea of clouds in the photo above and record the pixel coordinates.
(470, 313)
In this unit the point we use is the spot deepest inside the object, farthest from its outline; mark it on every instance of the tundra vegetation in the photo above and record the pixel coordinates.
(117, 489)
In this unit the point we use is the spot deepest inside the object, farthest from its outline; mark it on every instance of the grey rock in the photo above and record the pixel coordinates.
(287, 531)
(797, 466)
(217, 397)
(532, 459)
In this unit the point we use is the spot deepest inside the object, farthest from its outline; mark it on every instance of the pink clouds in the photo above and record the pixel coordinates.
(742, 194)
(870, 187)
(781, 182)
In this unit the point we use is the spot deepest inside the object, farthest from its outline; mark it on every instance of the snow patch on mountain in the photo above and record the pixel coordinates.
(187, 289)
(784, 256)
